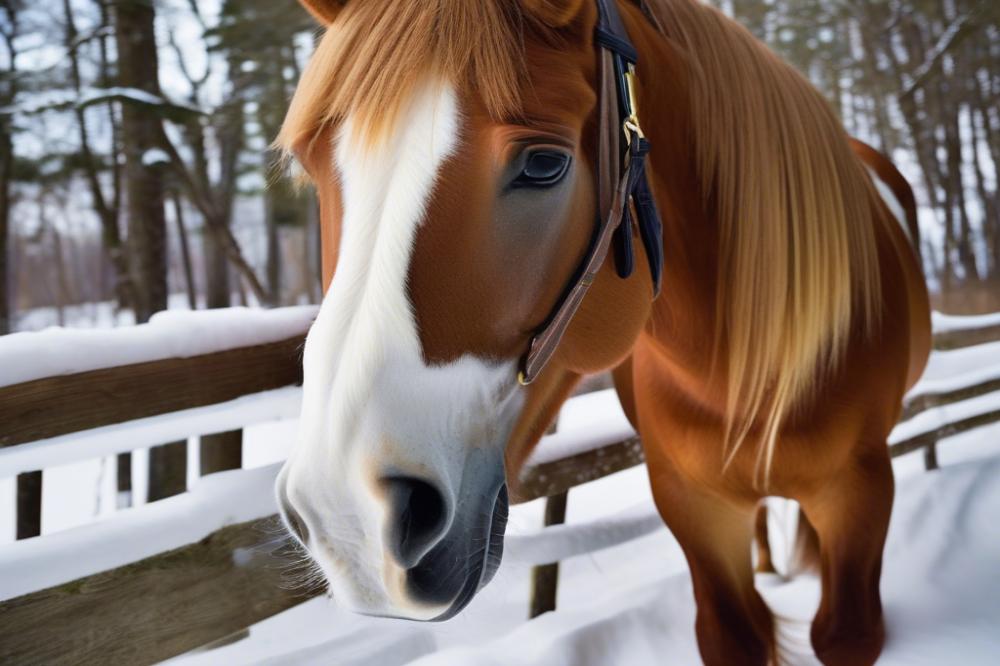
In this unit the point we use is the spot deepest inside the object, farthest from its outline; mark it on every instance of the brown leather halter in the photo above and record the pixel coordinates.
(621, 179)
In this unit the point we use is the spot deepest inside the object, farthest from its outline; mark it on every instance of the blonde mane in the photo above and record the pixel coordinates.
(377, 51)
(798, 270)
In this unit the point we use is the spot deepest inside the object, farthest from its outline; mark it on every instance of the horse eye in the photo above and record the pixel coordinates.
(543, 168)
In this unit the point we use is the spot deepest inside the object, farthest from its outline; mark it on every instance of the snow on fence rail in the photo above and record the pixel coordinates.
(175, 575)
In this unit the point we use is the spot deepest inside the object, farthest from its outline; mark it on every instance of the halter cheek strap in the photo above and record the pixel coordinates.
(621, 184)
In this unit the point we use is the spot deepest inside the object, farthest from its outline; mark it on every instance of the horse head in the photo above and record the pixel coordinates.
(452, 145)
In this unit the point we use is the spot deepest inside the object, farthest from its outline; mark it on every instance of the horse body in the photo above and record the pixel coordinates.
(831, 452)
(444, 254)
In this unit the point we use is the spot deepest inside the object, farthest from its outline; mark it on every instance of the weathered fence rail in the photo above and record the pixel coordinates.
(56, 406)
(230, 578)
(155, 608)
(964, 335)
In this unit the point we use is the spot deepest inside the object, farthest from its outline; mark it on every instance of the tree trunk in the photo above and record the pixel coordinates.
(6, 162)
(222, 451)
(63, 295)
(273, 246)
(29, 485)
(311, 273)
(138, 68)
(216, 272)
(9, 34)
(182, 239)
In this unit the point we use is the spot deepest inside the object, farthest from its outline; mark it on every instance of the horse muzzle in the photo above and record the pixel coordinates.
(435, 549)
(446, 567)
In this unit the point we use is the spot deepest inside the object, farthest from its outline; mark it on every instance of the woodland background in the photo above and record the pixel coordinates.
(135, 170)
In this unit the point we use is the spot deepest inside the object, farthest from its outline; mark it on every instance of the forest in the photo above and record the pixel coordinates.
(136, 173)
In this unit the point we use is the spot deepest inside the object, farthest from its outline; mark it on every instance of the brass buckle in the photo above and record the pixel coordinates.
(631, 124)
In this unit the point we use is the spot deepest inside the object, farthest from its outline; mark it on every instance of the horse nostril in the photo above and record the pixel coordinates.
(417, 518)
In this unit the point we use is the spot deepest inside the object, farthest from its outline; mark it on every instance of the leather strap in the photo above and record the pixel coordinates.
(621, 178)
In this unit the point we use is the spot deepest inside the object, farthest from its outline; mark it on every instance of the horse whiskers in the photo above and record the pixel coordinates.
(302, 574)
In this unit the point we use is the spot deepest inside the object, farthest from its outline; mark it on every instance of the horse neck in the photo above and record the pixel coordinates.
(686, 308)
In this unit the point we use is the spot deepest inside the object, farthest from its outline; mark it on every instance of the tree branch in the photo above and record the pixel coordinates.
(214, 219)
(954, 34)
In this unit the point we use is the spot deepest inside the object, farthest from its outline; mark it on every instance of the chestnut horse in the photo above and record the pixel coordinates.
(453, 145)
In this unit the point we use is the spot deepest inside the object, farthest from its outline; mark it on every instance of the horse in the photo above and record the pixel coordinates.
(460, 155)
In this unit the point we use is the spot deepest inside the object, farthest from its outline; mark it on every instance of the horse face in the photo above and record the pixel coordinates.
(448, 243)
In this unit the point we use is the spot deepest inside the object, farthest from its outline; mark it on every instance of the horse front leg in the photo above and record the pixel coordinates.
(733, 624)
(851, 517)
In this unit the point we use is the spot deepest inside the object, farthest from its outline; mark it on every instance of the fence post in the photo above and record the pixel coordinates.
(930, 457)
(29, 505)
(545, 578)
(221, 452)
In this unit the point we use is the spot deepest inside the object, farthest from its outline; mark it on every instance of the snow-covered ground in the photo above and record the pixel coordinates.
(632, 604)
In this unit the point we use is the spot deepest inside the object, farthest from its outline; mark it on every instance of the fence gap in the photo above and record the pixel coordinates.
(762, 541)
(221, 452)
(167, 470)
(29, 505)
(124, 498)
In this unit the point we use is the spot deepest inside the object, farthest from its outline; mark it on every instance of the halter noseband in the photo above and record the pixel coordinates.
(621, 178)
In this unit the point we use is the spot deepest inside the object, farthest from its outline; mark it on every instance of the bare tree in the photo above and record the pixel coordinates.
(142, 136)
(8, 96)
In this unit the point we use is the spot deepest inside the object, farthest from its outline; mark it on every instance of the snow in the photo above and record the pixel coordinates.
(171, 334)
(586, 422)
(633, 604)
(216, 501)
(987, 369)
(954, 365)
(561, 542)
(155, 156)
(96, 314)
(264, 407)
(943, 323)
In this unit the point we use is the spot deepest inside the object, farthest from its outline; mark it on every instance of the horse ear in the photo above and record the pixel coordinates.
(554, 13)
(323, 11)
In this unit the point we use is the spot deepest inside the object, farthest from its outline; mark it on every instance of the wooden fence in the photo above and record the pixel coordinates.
(214, 588)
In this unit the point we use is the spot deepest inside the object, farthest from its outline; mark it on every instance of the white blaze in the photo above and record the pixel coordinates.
(371, 404)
